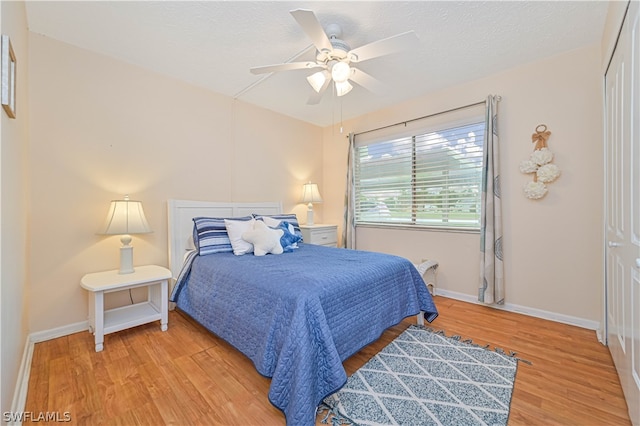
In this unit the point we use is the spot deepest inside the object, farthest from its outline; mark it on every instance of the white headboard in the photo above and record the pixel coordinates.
(181, 213)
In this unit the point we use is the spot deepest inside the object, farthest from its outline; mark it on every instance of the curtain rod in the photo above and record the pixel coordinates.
(498, 98)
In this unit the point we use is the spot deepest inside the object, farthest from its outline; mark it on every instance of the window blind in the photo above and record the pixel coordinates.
(427, 176)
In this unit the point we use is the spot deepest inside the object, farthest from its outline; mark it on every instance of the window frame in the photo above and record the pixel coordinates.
(447, 121)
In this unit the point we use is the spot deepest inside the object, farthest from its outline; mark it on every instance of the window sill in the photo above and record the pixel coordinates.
(421, 228)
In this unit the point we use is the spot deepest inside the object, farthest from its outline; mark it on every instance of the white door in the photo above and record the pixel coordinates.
(622, 108)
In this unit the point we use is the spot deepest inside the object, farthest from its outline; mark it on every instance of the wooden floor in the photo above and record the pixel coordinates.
(188, 376)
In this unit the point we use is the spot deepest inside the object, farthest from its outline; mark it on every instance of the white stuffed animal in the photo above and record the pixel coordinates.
(264, 239)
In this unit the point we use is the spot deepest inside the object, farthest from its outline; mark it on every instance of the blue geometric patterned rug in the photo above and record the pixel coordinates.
(426, 378)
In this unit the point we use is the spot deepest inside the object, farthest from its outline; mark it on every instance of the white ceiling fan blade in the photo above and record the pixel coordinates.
(315, 98)
(312, 28)
(285, 67)
(386, 46)
(365, 80)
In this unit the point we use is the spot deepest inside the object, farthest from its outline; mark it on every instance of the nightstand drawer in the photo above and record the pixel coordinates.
(324, 235)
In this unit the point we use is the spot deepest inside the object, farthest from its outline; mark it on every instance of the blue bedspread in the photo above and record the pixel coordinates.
(298, 315)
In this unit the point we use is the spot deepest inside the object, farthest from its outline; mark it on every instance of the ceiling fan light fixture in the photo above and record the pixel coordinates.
(342, 88)
(340, 72)
(334, 57)
(317, 80)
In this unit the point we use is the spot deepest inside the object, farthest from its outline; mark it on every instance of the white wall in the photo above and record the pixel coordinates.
(553, 246)
(13, 211)
(101, 128)
(615, 15)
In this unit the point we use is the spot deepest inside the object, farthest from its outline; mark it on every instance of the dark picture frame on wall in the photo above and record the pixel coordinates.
(8, 68)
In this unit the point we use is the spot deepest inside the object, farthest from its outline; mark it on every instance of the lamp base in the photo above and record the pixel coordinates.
(126, 260)
(310, 215)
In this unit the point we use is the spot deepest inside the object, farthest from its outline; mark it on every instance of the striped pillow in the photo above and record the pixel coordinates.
(210, 234)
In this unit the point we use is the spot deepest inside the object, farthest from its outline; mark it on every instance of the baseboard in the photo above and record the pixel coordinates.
(22, 384)
(54, 333)
(525, 310)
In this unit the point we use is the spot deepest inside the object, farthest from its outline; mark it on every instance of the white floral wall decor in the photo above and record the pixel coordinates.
(539, 164)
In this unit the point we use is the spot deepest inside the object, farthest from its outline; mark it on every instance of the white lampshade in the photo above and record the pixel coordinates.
(317, 80)
(340, 72)
(310, 195)
(125, 217)
(343, 88)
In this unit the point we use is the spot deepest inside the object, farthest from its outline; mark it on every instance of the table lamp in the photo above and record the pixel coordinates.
(125, 217)
(310, 195)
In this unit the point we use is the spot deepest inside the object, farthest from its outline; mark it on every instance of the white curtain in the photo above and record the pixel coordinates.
(349, 225)
(491, 289)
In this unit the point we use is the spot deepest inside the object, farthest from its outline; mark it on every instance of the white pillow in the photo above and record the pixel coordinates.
(274, 223)
(190, 244)
(235, 229)
(265, 240)
(271, 222)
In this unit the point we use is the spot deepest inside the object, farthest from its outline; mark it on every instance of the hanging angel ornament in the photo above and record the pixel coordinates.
(539, 164)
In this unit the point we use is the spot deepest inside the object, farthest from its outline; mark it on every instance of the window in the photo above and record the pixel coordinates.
(423, 177)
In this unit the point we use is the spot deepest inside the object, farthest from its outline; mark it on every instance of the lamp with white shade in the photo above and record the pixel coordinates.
(310, 195)
(125, 217)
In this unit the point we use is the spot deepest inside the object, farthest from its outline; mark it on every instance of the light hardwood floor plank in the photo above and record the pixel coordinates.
(188, 376)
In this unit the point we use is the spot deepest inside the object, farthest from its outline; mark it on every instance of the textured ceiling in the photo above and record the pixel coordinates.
(213, 44)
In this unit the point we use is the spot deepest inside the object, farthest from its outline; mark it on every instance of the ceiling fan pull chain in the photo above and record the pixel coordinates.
(333, 107)
(340, 115)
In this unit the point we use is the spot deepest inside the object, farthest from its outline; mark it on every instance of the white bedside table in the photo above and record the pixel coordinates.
(323, 235)
(156, 307)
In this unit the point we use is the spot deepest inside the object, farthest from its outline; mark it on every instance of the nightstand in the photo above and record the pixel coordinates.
(156, 307)
(323, 235)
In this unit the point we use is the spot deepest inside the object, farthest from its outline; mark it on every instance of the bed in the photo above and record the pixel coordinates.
(298, 315)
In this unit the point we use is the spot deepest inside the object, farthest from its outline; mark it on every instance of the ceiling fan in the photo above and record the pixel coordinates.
(336, 59)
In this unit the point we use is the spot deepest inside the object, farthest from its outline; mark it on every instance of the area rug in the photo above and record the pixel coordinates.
(426, 378)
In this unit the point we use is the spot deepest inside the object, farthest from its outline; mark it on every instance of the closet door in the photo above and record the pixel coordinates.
(622, 84)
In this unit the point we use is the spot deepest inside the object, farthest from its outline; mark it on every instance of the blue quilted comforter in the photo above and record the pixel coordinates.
(297, 316)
